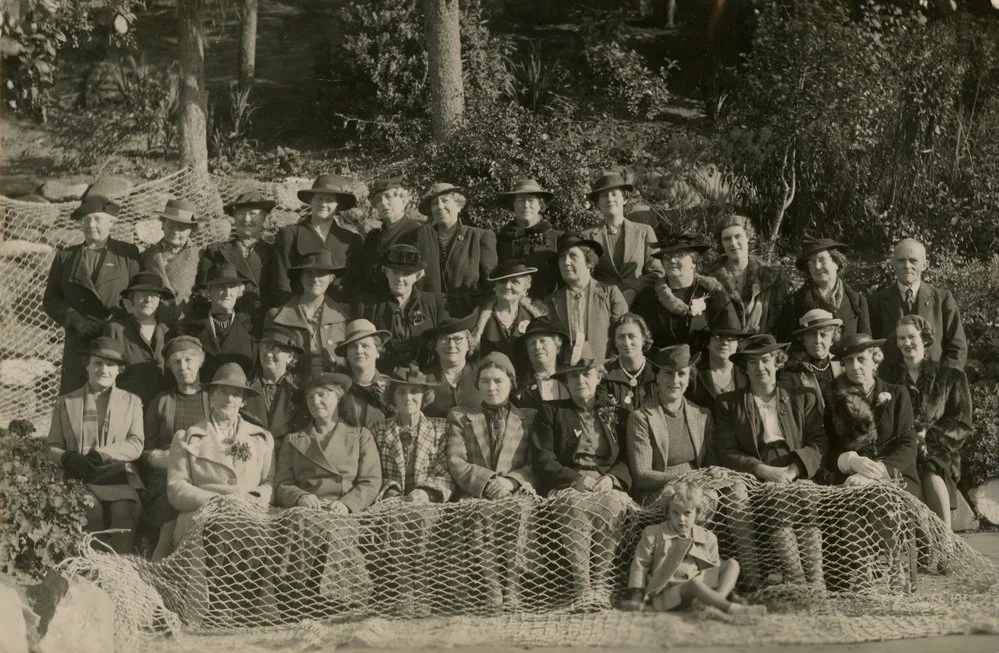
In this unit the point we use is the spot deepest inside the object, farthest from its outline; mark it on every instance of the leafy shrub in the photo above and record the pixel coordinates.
(980, 454)
(540, 83)
(42, 518)
(620, 74)
(975, 285)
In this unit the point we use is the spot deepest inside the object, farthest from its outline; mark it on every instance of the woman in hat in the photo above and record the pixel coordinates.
(278, 350)
(630, 378)
(488, 454)
(584, 307)
(85, 283)
(254, 258)
(683, 303)
(319, 321)
(174, 258)
(142, 336)
(716, 373)
(95, 435)
(757, 290)
(390, 199)
(529, 237)
(459, 258)
(942, 408)
(504, 317)
(810, 365)
(171, 411)
(824, 260)
(542, 346)
(579, 459)
(452, 343)
(329, 195)
(365, 402)
(403, 310)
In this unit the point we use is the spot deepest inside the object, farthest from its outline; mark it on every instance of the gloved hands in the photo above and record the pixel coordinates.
(88, 327)
(94, 458)
(78, 466)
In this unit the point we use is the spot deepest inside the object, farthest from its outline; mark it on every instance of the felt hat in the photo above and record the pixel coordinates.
(221, 274)
(523, 187)
(332, 379)
(856, 343)
(684, 242)
(510, 269)
(150, 282)
(232, 375)
(450, 325)
(726, 324)
(572, 239)
(673, 358)
(412, 375)
(436, 190)
(757, 345)
(331, 185)
(608, 181)
(541, 326)
(95, 204)
(816, 319)
(496, 359)
(587, 361)
(319, 260)
(107, 348)
(379, 186)
(811, 246)
(181, 343)
(404, 258)
(252, 199)
(181, 212)
(358, 330)
(280, 336)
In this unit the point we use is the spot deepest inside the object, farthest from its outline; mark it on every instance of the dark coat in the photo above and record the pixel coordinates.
(938, 307)
(423, 311)
(296, 240)
(259, 271)
(668, 317)
(763, 294)
(366, 406)
(144, 374)
(639, 269)
(365, 263)
(488, 335)
(536, 246)
(284, 416)
(701, 392)
(463, 279)
(236, 346)
(852, 310)
(333, 327)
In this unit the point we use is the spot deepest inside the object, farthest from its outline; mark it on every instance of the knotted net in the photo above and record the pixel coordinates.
(832, 564)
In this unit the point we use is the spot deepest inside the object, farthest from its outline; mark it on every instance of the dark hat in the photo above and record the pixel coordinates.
(608, 181)
(232, 375)
(107, 348)
(412, 376)
(816, 319)
(757, 345)
(249, 200)
(331, 185)
(180, 211)
(379, 186)
(221, 274)
(280, 336)
(358, 330)
(150, 282)
(319, 260)
(523, 187)
(404, 258)
(727, 324)
(451, 325)
(95, 204)
(673, 358)
(684, 242)
(181, 343)
(582, 365)
(858, 342)
(811, 246)
(326, 378)
(496, 359)
(510, 269)
(572, 239)
(436, 190)
(543, 326)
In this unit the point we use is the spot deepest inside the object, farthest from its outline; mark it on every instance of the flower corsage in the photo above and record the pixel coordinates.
(607, 412)
(237, 449)
(697, 306)
(417, 318)
(882, 398)
(522, 326)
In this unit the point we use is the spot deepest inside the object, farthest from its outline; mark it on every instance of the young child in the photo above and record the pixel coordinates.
(677, 561)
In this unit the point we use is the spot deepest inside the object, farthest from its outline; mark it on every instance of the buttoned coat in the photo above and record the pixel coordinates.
(407, 324)
(463, 280)
(648, 446)
(178, 274)
(604, 305)
(259, 272)
(284, 415)
(465, 394)
(938, 307)
(71, 296)
(347, 470)
(852, 309)
(293, 242)
(366, 262)
(763, 295)
(656, 567)
(235, 346)
(472, 459)
(201, 467)
(333, 327)
(638, 269)
(144, 373)
(739, 429)
(429, 452)
(537, 247)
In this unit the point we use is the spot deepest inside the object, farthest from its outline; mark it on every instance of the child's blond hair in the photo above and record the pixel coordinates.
(690, 493)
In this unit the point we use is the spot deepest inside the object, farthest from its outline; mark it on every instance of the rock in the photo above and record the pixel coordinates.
(33, 198)
(149, 231)
(985, 498)
(18, 185)
(63, 237)
(24, 372)
(74, 615)
(13, 628)
(13, 248)
(963, 518)
(58, 191)
(111, 186)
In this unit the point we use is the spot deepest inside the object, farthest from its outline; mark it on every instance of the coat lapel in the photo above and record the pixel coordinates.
(111, 268)
(459, 243)
(309, 447)
(78, 274)
(884, 414)
(509, 441)
(752, 420)
(629, 231)
(307, 240)
(695, 422)
(231, 252)
(201, 443)
(478, 424)
(792, 434)
(288, 315)
(74, 407)
(891, 305)
(660, 432)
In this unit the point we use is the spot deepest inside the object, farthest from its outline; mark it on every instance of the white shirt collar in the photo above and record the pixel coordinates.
(915, 289)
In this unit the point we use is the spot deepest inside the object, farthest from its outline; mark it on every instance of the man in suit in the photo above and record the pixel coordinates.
(390, 200)
(174, 258)
(911, 295)
(85, 284)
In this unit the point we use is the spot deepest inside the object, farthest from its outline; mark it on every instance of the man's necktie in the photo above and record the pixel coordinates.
(908, 300)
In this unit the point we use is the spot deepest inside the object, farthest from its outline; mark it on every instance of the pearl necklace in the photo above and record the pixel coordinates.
(633, 378)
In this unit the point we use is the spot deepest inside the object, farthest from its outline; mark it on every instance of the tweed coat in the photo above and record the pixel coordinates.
(668, 316)
(144, 373)
(258, 271)
(938, 307)
(429, 453)
(284, 415)
(407, 324)
(348, 469)
(75, 301)
(332, 326)
(472, 459)
(366, 262)
(235, 346)
(853, 310)
(179, 273)
(739, 429)
(293, 242)
(764, 292)
(638, 269)
(463, 279)
(605, 304)
(537, 247)
(124, 438)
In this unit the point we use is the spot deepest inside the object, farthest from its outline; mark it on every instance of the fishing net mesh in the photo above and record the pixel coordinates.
(832, 564)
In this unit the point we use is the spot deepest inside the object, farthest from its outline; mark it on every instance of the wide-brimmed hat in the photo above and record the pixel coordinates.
(232, 375)
(412, 375)
(523, 187)
(816, 319)
(509, 270)
(150, 282)
(675, 357)
(855, 343)
(221, 274)
(727, 324)
(319, 261)
(280, 336)
(451, 325)
(249, 200)
(358, 330)
(180, 211)
(379, 186)
(331, 185)
(332, 379)
(107, 348)
(95, 204)
(757, 345)
(684, 242)
(541, 326)
(608, 181)
(436, 190)
(404, 258)
(811, 246)
(572, 239)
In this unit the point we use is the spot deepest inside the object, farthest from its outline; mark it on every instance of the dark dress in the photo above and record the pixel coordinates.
(423, 311)
(366, 261)
(258, 270)
(236, 345)
(668, 318)
(536, 246)
(494, 336)
(461, 270)
(852, 310)
(295, 241)
(282, 415)
(144, 373)
(365, 406)
(702, 392)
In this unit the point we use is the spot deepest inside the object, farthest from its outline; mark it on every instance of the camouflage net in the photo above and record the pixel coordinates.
(836, 565)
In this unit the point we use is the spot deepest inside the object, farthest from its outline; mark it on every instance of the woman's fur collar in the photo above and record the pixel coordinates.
(853, 418)
(675, 305)
(759, 276)
(486, 311)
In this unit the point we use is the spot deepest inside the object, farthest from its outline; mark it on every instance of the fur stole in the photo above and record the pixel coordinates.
(486, 312)
(178, 273)
(941, 401)
(853, 418)
(703, 285)
(759, 277)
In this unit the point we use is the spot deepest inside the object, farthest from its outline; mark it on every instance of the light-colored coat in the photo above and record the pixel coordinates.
(471, 458)
(333, 327)
(657, 566)
(648, 445)
(429, 449)
(638, 242)
(604, 305)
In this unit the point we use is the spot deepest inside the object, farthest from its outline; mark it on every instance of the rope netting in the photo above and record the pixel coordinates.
(832, 564)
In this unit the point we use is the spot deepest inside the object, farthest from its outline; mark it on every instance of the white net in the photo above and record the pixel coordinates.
(832, 564)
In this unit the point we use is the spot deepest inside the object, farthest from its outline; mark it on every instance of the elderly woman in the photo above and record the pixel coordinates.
(541, 346)
(390, 199)
(275, 383)
(630, 379)
(365, 402)
(459, 258)
(717, 374)
(824, 260)
(529, 237)
(174, 258)
(579, 458)
(812, 366)
(584, 307)
(488, 456)
(503, 318)
(95, 435)
(455, 377)
(756, 289)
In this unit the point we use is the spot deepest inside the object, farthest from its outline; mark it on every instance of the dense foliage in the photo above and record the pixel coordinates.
(980, 454)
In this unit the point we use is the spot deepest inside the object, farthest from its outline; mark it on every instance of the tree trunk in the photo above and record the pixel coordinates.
(248, 45)
(447, 93)
(192, 120)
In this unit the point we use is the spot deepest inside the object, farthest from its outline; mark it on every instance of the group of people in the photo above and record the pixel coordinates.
(429, 362)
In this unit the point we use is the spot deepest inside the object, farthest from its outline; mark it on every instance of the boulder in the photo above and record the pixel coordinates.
(963, 518)
(74, 615)
(111, 186)
(13, 628)
(985, 498)
(59, 191)
(23, 232)
(17, 185)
